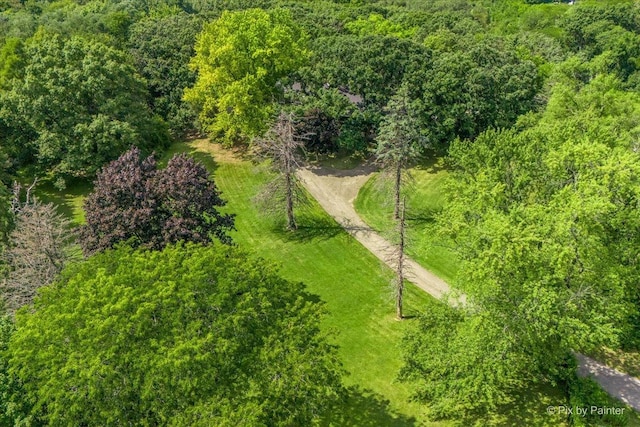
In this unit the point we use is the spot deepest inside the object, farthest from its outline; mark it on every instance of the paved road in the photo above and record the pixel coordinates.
(335, 191)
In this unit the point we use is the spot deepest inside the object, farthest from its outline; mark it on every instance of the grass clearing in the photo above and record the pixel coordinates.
(355, 287)
(374, 204)
(69, 201)
(353, 284)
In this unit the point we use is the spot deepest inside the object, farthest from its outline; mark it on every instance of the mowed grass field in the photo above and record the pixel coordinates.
(352, 282)
(355, 288)
(424, 199)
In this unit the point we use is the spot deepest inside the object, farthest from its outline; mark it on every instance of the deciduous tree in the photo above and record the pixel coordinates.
(241, 60)
(547, 225)
(190, 335)
(161, 47)
(134, 201)
(76, 105)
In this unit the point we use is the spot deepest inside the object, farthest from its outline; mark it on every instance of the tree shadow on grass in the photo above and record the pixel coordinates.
(204, 157)
(365, 408)
(423, 216)
(529, 408)
(68, 201)
(310, 227)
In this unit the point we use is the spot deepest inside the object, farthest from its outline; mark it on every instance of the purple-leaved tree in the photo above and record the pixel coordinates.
(134, 201)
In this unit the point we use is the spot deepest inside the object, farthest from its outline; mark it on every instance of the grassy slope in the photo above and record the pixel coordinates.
(355, 287)
(334, 266)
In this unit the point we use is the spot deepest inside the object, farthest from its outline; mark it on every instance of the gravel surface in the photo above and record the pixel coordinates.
(335, 190)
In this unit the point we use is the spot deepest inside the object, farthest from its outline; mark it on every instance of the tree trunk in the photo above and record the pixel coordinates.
(291, 221)
(396, 206)
(400, 270)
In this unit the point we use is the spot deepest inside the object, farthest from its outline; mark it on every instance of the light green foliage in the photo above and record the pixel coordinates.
(242, 59)
(467, 362)
(6, 385)
(377, 24)
(190, 335)
(76, 105)
(11, 60)
(545, 221)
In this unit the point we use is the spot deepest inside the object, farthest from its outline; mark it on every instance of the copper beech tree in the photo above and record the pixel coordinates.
(136, 202)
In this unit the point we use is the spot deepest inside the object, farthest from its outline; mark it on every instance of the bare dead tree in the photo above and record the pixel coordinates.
(40, 245)
(282, 146)
(400, 273)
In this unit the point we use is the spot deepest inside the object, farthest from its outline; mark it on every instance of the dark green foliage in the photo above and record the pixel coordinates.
(607, 34)
(134, 202)
(330, 121)
(353, 78)
(479, 86)
(215, 8)
(371, 67)
(400, 141)
(80, 105)
(190, 335)
(162, 47)
(6, 217)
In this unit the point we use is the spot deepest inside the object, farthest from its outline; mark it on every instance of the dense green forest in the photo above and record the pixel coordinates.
(171, 299)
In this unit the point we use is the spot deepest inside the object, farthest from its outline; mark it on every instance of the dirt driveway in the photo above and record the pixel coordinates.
(336, 190)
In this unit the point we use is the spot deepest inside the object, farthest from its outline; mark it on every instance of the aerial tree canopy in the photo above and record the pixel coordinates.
(6, 217)
(547, 223)
(133, 201)
(190, 335)
(76, 105)
(161, 47)
(242, 60)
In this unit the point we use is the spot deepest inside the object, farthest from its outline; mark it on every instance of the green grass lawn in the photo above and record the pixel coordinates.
(353, 284)
(69, 201)
(355, 287)
(424, 198)
(351, 281)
